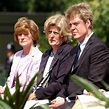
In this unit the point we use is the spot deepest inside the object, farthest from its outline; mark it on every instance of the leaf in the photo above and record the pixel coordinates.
(27, 89)
(19, 98)
(7, 96)
(45, 106)
(3, 105)
(90, 87)
(105, 85)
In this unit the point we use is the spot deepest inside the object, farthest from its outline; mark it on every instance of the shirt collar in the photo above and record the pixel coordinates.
(82, 45)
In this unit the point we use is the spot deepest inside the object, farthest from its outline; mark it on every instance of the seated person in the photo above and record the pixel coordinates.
(25, 62)
(92, 60)
(54, 61)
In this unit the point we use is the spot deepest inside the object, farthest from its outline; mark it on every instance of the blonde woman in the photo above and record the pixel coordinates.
(54, 61)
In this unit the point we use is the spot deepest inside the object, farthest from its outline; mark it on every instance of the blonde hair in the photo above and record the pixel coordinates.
(61, 22)
(25, 24)
(82, 10)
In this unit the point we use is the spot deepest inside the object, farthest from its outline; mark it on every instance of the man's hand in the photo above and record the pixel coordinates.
(32, 96)
(57, 102)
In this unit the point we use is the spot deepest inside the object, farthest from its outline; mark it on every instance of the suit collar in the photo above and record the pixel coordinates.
(56, 57)
(71, 58)
(90, 42)
(47, 54)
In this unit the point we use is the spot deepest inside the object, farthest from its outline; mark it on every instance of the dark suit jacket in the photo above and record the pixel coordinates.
(92, 65)
(57, 73)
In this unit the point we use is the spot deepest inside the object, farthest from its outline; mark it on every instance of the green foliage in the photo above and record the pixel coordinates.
(101, 19)
(43, 43)
(19, 98)
(45, 106)
(2, 76)
(90, 87)
(3, 105)
(105, 85)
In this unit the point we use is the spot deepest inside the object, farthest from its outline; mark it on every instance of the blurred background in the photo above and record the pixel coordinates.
(39, 10)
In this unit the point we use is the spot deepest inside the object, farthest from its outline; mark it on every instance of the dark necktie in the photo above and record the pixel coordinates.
(77, 55)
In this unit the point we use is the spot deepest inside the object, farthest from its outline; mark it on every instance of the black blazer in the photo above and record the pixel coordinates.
(92, 65)
(57, 73)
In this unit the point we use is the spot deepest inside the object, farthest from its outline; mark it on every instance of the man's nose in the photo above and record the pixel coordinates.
(72, 27)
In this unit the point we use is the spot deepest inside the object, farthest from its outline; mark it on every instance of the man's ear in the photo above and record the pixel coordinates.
(88, 23)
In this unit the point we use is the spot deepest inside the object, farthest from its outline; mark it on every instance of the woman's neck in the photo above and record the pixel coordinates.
(55, 48)
(28, 50)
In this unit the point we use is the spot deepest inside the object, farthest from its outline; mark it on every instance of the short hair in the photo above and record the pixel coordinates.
(82, 10)
(60, 21)
(25, 24)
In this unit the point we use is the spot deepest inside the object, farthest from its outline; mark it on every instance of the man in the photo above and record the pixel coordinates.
(9, 57)
(92, 57)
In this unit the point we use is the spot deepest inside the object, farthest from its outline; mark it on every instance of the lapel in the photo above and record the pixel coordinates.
(72, 58)
(56, 57)
(82, 57)
(45, 59)
(26, 63)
